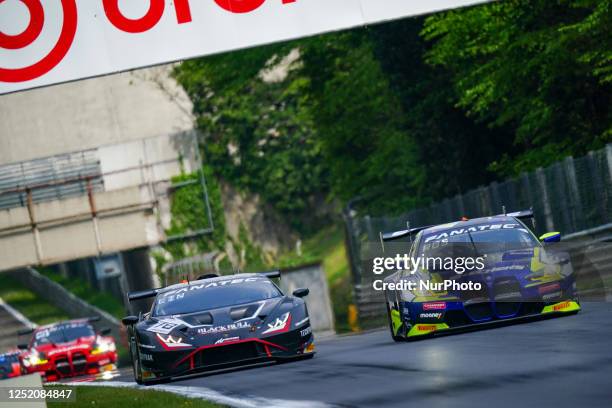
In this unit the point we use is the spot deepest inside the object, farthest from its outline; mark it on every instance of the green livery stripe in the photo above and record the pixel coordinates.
(396, 321)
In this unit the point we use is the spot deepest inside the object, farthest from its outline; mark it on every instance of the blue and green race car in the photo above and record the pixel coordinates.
(520, 277)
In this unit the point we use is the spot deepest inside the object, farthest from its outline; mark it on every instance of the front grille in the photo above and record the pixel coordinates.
(226, 354)
(508, 298)
(479, 311)
(79, 362)
(63, 366)
(477, 304)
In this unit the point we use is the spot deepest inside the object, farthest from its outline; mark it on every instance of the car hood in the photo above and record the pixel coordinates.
(82, 344)
(228, 323)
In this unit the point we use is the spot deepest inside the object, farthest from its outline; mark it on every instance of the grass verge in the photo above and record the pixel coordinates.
(28, 303)
(103, 397)
(81, 288)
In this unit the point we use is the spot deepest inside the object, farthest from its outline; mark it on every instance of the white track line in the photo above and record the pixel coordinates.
(17, 315)
(210, 395)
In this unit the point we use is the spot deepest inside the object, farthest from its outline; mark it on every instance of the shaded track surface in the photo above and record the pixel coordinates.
(560, 362)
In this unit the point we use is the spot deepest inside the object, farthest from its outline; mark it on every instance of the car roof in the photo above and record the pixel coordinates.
(76, 321)
(497, 219)
(215, 279)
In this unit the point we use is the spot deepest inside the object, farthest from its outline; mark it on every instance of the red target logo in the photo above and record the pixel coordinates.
(31, 33)
(33, 49)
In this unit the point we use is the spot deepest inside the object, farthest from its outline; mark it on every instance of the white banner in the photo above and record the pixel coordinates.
(53, 41)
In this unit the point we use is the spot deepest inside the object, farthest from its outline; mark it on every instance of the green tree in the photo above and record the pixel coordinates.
(540, 68)
(360, 123)
(258, 134)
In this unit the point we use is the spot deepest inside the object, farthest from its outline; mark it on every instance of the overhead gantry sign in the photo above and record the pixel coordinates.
(54, 41)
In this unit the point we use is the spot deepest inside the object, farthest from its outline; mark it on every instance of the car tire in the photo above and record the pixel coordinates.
(136, 369)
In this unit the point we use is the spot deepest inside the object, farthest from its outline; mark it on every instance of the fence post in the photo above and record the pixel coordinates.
(561, 200)
(600, 200)
(541, 179)
(577, 215)
(609, 160)
(494, 198)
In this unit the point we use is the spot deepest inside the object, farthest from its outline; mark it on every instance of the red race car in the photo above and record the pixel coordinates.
(68, 349)
(10, 365)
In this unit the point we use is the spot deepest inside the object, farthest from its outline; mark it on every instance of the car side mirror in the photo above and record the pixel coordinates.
(551, 237)
(24, 332)
(22, 346)
(301, 292)
(105, 331)
(130, 320)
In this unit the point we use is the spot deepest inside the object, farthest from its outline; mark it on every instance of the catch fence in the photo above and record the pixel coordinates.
(569, 196)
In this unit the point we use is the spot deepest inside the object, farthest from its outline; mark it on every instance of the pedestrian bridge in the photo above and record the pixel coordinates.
(88, 203)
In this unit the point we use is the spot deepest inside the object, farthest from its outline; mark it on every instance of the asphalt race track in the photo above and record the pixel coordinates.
(560, 362)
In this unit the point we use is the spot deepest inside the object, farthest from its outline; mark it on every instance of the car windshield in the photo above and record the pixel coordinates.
(477, 240)
(62, 333)
(214, 295)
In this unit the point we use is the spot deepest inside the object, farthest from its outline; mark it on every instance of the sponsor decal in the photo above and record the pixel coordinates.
(201, 286)
(146, 357)
(306, 331)
(164, 327)
(426, 327)
(475, 228)
(45, 332)
(281, 324)
(67, 349)
(562, 306)
(507, 268)
(437, 315)
(46, 44)
(224, 328)
(227, 339)
(170, 342)
(434, 306)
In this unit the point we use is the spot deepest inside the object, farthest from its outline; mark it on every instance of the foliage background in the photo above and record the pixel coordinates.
(408, 112)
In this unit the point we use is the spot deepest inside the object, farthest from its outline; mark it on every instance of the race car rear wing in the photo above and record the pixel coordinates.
(521, 215)
(271, 274)
(391, 236)
(23, 332)
(143, 294)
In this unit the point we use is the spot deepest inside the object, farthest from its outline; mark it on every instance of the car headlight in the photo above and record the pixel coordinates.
(103, 346)
(279, 325)
(36, 359)
(170, 342)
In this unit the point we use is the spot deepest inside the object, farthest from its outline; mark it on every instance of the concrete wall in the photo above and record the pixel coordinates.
(318, 301)
(91, 113)
(65, 229)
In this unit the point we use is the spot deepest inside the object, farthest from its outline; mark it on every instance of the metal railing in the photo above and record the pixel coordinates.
(60, 177)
